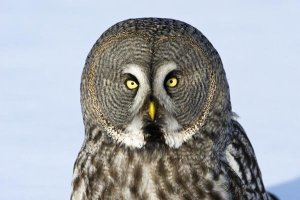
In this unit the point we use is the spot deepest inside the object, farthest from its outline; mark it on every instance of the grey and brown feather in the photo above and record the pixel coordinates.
(193, 149)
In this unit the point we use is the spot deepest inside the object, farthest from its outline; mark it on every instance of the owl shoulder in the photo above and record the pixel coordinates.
(241, 160)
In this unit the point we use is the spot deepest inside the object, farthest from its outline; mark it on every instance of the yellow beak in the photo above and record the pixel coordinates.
(151, 110)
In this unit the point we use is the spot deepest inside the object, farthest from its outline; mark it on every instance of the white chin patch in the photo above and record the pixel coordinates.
(174, 140)
(134, 136)
(171, 132)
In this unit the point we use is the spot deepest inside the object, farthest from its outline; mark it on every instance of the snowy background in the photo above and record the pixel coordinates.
(43, 46)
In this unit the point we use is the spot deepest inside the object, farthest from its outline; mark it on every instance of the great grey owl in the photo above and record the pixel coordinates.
(158, 119)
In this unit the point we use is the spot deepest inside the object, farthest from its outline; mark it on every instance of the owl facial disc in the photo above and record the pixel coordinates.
(142, 90)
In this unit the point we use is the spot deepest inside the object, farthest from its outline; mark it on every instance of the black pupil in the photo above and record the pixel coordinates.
(132, 83)
(171, 81)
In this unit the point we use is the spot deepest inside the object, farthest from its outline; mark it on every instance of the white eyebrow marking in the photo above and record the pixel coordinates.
(143, 89)
(134, 136)
(158, 85)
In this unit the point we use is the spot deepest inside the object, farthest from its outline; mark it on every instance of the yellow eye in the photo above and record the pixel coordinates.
(171, 82)
(131, 84)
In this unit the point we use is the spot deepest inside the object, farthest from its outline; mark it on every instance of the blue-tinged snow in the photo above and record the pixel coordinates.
(43, 46)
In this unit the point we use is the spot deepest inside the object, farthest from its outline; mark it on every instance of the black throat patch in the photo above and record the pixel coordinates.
(154, 136)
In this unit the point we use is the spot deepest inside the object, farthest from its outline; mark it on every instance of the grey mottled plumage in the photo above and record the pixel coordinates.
(190, 147)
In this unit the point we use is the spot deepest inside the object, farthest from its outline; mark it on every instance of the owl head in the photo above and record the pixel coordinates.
(154, 82)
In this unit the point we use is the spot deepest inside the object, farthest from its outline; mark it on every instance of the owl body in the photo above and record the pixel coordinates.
(158, 119)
